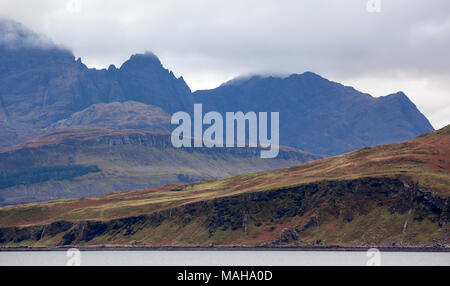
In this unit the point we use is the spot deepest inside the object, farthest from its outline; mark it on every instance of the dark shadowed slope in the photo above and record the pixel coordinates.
(43, 83)
(319, 115)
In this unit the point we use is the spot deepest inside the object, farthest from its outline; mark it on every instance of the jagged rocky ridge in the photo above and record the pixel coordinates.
(42, 84)
(319, 115)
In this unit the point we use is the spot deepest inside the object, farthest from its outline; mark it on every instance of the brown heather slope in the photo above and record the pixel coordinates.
(389, 195)
(117, 116)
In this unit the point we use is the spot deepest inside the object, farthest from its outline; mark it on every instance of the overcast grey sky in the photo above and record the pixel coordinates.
(403, 47)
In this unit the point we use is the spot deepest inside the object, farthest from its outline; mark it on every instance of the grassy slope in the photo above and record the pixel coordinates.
(124, 166)
(378, 220)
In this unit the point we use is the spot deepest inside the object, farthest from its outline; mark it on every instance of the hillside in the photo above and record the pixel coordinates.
(42, 83)
(117, 116)
(319, 115)
(93, 161)
(394, 195)
(43, 86)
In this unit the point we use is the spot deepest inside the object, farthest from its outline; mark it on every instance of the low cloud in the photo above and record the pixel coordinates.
(210, 42)
(15, 35)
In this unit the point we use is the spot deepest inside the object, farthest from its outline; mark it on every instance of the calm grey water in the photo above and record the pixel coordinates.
(222, 258)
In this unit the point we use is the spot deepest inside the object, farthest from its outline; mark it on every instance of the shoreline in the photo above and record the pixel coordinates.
(218, 248)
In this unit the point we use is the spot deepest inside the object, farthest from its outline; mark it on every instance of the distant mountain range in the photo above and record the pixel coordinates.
(68, 131)
(319, 115)
(40, 85)
(43, 87)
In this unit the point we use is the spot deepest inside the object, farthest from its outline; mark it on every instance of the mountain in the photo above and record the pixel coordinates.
(73, 163)
(319, 115)
(117, 116)
(394, 195)
(42, 83)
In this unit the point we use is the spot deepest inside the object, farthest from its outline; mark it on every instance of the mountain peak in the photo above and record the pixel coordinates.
(21, 48)
(14, 35)
(309, 74)
(141, 60)
(112, 67)
(241, 80)
(319, 115)
(399, 96)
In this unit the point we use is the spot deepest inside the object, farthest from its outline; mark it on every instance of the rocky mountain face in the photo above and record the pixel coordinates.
(48, 95)
(43, 86)
(319, 115)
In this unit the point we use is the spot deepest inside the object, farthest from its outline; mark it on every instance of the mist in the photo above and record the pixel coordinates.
(404, 47)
